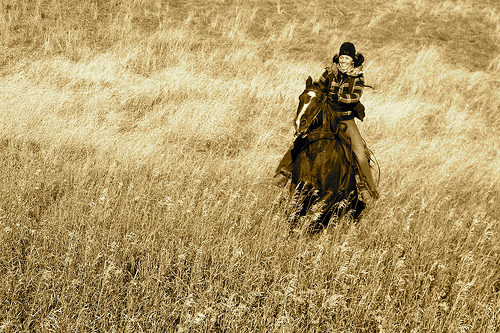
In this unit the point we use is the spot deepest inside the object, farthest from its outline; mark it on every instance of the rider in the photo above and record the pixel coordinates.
(346, 88)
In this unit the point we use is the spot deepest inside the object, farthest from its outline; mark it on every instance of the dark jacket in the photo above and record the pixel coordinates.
(345, 88)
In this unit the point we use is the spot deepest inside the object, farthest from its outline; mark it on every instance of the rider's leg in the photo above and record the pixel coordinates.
(358, 147)
(286, 165)
(284, 170)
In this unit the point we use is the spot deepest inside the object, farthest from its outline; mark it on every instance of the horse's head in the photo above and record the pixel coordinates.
(311, 102)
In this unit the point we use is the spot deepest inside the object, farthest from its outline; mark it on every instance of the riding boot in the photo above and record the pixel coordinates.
(280, 179)
(363, 191)
(284, 170)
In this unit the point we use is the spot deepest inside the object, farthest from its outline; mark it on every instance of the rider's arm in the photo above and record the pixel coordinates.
(330, 71)
(348, 97)
(322, 78)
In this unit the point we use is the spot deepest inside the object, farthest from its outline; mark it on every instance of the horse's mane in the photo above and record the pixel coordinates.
(331, 118)
(319, 86)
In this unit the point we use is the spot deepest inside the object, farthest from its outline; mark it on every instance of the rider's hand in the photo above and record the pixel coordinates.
(333, 98)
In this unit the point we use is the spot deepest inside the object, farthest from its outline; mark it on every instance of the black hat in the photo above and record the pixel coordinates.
(347, 49)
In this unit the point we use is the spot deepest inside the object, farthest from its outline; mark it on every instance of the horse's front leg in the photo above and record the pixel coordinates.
(292, 212)
(323, 210)
(301, 197)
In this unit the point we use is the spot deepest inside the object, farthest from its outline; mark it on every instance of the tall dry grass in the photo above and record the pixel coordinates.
(138, 139)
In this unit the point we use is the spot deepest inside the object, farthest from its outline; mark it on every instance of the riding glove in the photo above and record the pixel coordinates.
(333, 98)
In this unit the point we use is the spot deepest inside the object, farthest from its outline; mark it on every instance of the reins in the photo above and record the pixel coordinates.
(313, 137)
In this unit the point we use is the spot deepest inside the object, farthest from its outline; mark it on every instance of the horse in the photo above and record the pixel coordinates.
(323, 178)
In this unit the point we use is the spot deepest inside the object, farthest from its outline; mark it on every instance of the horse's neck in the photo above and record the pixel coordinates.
(327, 129)
(329, 123)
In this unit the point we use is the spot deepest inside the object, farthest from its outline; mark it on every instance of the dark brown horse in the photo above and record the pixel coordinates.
(323, 178)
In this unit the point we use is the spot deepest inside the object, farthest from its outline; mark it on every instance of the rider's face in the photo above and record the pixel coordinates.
(345, 61)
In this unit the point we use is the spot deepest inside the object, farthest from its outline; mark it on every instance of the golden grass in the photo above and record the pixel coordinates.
(138, 138)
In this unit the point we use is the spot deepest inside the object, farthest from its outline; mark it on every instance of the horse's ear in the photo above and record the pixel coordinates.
(309, 81)
(326, 84)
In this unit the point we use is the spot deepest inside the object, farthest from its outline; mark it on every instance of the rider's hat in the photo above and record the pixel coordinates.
(348, 49)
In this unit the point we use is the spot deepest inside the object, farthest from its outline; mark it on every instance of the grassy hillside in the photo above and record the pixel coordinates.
(138, 138)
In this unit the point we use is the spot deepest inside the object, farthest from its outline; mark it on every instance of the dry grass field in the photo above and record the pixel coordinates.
(138, 139)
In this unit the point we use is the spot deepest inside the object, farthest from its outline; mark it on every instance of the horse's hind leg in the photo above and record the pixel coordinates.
(354, 206)
(358, 207)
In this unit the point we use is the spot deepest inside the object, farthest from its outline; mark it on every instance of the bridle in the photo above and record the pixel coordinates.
(312, 137)
(323, 103)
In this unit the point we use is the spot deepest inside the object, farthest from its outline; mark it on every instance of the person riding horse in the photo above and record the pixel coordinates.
(346, 83)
